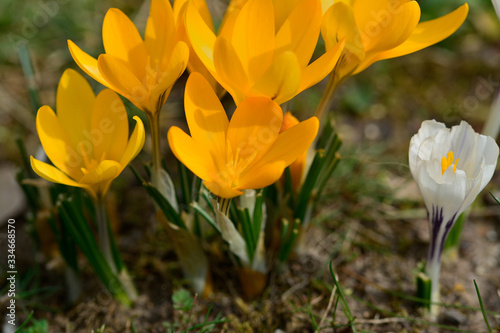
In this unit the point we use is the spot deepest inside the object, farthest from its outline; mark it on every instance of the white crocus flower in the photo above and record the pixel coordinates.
(450, 167)
(496, 4)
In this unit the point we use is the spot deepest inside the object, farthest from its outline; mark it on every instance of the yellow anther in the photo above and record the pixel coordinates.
(90, 163)
(236, 163)
(447, 160)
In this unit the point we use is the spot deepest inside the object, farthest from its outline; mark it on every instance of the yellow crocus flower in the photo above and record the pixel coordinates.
(87, 140)
(248, 152)
(195, 64)
(262, 51)
(143, 71)
(381, 29)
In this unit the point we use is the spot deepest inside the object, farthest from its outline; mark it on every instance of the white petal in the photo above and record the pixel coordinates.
(447, 191)
(428, 128)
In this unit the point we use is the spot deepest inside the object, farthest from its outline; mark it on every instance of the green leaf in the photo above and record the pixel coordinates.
(258, 214)
(321, 169)
(207, 216)
(73, 219)
(168, 210)
(182, 300)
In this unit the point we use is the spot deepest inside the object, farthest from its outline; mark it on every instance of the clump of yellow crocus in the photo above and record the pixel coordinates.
(248, 152)
(88, 139)
(142, 70)
(262, 50)
(88, 143)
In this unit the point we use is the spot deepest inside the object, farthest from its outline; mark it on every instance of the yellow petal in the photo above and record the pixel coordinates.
(230, 71)
(297, 169)
(288, 121)
(253, 37)
(169, 75)
(124, 81)
(122, 41)
(206, 117)
(194, 64)
(282, 10)
(321, 67)
(134, 144)
(87, 63)
(299, 33)
(109, 126)
(290, 144)
(222, 190)
(105, 171)
(52, 174)
(201, 36)
(233, 8)
(338, 23)
(74, 103)
(159, 37)
(281, 81)
(384, 24)
(260, 177)
(425, 34)
(56, 144)
(326, 4)
(230, 18)
(254, 127)
(201, 6)
(191, 154)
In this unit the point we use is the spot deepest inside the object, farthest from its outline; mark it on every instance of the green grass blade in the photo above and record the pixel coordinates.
(29, 74)
(25, 322)
(494, 197)
(482, 307)
(344, 301)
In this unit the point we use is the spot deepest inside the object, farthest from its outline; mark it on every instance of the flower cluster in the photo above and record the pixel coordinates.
(263, 55)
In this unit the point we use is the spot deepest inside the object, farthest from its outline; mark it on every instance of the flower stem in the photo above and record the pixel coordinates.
(325, 103)
(154, 123)
(103, 234)
(433, 271)
(105, 244)
(224, 205)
